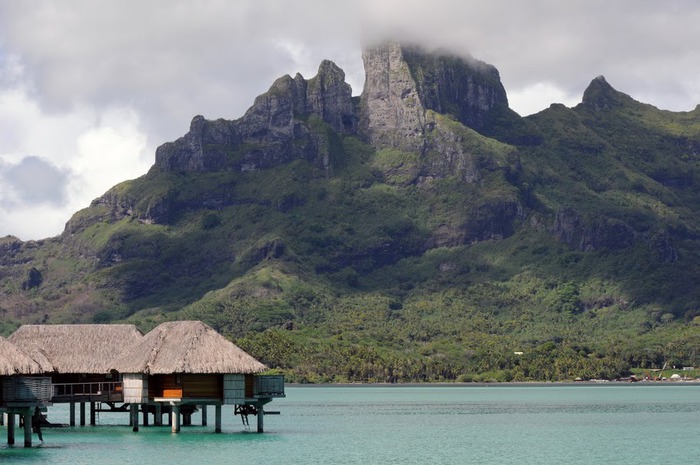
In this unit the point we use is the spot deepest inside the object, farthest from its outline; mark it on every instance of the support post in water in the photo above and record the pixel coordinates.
(261, 417)
(10, 428)
(134, 414)
(71, 410)
(158, 420)
(93, 415)
(217, 418)
(175, 418)
(27, 418)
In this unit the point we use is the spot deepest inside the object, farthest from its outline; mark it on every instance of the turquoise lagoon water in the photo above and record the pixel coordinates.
(504, 424)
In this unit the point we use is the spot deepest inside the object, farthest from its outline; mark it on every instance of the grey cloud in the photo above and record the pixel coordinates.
(172, 59)
(35, 181)
(644, 47)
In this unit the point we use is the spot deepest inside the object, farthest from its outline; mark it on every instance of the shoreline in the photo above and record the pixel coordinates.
(695, 382)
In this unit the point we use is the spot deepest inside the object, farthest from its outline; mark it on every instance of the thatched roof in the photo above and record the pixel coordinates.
(76, 348)
(15, 362)
(186, 347)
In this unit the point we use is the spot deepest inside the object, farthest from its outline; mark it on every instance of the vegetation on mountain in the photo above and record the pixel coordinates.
(422, 232)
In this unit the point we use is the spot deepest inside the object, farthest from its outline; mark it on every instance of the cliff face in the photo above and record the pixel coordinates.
(468, 90)
(263, 137)
(403, 83)
(330, 97)
(430, 106)
(593, 233)
(393, 114)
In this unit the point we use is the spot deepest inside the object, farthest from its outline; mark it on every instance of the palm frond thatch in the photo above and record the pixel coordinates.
(186, 347)
(76, 348)
(15, 362)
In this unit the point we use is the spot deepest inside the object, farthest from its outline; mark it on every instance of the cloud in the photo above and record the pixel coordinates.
(109, 153)
(91, 87)
(645, 49)
(173, 59)
(34, 181)
(529, 100)
(53, 164)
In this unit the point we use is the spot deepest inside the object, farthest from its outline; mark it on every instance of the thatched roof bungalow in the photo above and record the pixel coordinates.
(15, 362)
(182, 347)
(183, 361)
(186, 363)
(76, 349)
(18, 386)
(79, 357)
(178, 364)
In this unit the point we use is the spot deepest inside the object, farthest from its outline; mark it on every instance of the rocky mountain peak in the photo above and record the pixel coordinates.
(330, 97)
(467, 89)
(326, 95)
(261, 138)
(393, 113)
(403, 82)
(600, 95)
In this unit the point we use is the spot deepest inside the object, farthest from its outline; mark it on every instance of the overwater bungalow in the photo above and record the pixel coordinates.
(177, 368)
(15, 362)
(77, 358)
(22, 389)
(182, 364)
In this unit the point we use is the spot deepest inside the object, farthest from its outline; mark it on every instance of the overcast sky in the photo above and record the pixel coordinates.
(89, 89)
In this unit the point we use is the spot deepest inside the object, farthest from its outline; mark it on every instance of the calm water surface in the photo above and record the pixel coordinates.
(535, 424)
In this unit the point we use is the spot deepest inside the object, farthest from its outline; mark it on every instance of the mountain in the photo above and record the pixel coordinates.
(421, 231)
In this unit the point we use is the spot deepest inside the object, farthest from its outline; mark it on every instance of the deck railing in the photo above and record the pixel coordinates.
(101, 390)
(269, 386)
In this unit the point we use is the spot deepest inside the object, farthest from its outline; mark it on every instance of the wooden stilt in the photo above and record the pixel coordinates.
(175, 418)
(10, 428)
(2, 419)
(158, 420)
(134, 410)
(27, 416)
(217, 418)
(204, 415)
(144, 409)
(261, 417)
(93, 416)
(82, 414)
(71, 410)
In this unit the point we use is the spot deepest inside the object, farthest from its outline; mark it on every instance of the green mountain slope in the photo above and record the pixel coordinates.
(422, 231)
